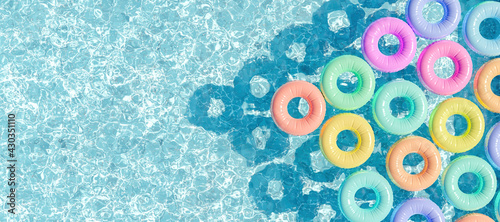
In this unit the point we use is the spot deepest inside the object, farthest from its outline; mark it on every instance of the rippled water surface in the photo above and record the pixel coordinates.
(158, 110)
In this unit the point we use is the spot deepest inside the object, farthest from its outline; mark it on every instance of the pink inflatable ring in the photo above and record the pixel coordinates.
(407, 44)
(461, 59)
(279, 108)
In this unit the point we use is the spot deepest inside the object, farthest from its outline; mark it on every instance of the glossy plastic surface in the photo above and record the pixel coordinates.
(371, 180)
(423, 28)
(475, 217)
(475, 125)
(492, 145)
(482, 85)
(382, 111)
(366, 82)
(407, 44)
(472, 36)
(461, 59)
(421, 206)
(405, 180)
(487, 183)
(307, 124)
(354, 123)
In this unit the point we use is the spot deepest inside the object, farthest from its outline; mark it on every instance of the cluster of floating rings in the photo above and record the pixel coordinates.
(365, 90)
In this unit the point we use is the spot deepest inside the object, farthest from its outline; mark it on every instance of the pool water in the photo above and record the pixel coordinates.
(158, 110)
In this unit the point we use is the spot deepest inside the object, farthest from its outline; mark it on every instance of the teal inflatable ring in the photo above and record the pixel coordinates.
(382, 111)
(487, 183)
(497, 206)
(364, 90)
(378, 184)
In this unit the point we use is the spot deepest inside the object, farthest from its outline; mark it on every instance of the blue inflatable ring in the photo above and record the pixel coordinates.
(480, 12)
(438, 30)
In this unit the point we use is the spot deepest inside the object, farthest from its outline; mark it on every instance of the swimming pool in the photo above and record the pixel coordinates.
(158, 110)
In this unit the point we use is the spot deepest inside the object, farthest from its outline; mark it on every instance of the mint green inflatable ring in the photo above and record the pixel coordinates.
(497, 206)
(378, 184)
(364, 90)
(382, 111)
(487, 183)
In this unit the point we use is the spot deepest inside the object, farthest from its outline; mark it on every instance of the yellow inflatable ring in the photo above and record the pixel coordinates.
(475, 125)
(328, 140)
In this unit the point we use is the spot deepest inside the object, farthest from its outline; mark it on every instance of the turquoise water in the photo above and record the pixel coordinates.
(158, 110)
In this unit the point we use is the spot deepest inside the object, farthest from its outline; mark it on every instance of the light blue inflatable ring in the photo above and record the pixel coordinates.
(382, 111)
(487, 183)
(378, 184)
(480, 12)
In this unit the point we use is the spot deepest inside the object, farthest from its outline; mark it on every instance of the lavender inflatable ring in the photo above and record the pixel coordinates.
(421, 206)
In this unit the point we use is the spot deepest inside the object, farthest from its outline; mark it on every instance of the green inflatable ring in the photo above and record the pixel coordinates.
(382, 110)
(364, 90)
(497, 206)
(487, 183)
(371, 180)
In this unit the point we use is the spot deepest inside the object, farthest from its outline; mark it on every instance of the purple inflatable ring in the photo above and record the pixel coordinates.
(492, 145)
(421, 206)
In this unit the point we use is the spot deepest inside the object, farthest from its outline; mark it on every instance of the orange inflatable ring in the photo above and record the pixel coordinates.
(475, 217)
(482, 85)
(307, 124)
(413, 182)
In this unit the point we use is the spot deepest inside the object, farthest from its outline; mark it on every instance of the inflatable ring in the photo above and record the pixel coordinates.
(407, 44)
(366, 82)
(279, 108)
(475, 125)
(413, 182)
(382, 111)
(438, 30)
(487, 183)
(371, 180)
(497, 206)
(492, 145)
(475, 217)
(328, 139)
(472, 36)
(482, 85)
(461, 59)
(421, 206)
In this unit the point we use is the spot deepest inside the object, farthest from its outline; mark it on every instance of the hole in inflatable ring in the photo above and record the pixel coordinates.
(433, 12)
(456, 125)
(388, 44)
(400, 107)
(413, 163)
(347, 140)
(347, 82)
(490, 28)
(298, 108)
(418, 218)
(469, 183)
(495, 85)
(365, 198)
(444, 67)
